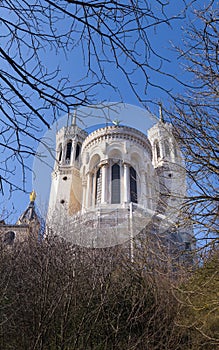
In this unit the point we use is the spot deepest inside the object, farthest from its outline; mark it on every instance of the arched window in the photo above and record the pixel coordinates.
(68, 152)
(133, 186)
(60, 153)
(166, 148)
(78, 151)
(98, 187)
(157, 150)
(9, 238)
(115, 184)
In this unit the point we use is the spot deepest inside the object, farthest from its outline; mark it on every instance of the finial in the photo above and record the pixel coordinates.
(74, 117)
(161, 112)
(32, 196)
(116, 122)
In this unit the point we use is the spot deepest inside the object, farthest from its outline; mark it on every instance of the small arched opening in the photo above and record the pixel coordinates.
(60, 153)
(78, 151)
(68, 152)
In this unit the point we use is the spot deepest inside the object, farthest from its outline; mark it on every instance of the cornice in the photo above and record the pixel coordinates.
(117, 133)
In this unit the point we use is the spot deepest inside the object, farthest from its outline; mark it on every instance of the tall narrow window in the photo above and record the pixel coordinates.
(60, 152)
(167, 148)
(115, 184)
(157, 149)
(68, 152)
(78, 151)
(133, 186)
(98, 186)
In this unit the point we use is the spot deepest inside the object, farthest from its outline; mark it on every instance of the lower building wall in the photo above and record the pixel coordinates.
(10, 234)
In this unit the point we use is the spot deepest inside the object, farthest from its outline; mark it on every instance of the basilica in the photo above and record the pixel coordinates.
(112, 182)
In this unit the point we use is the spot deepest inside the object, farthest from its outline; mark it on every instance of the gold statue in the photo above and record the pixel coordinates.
(32, 196)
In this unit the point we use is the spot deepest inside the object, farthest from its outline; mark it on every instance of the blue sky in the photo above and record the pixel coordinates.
(162, 39)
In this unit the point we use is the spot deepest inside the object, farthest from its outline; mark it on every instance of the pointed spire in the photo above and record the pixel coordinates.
(29, 214)
(161, 112)
(69, 116)
(74, 117)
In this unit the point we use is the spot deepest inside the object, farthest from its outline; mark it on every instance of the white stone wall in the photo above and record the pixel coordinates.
(107, 146)
(74, 185)
(104, 147)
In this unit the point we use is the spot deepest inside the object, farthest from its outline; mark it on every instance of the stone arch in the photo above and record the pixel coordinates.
(94, 161)
(136, 160)
(115, 153)
(68, 151)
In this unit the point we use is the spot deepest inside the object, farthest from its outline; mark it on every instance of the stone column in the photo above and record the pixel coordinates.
(172, 150)
(126, 186)
(142, 189)
(84, 185)
(104, 182)
(73, 149)
(93, 189)
(88, 189)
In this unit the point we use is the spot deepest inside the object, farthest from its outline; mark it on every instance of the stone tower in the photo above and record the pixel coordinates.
(108, 184)
(111, 183)
(66, 187)
(169, 166)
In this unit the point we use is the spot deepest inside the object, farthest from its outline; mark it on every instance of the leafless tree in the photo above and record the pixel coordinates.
(105, 36)
(197, 122)
(195, 117)
(57, 296)
(199, 307)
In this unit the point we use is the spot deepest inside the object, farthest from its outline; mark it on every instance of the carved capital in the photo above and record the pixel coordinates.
(104, 163)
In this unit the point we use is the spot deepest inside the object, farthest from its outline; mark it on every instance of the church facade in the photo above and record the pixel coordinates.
(108, 185)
